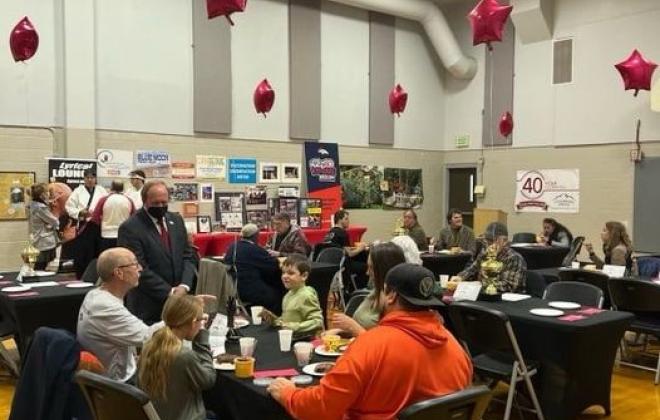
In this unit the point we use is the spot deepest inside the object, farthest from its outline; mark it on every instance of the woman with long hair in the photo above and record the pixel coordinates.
(43, 225)
(173, 376)
(382, 258)
(555, 234)
(617, 246)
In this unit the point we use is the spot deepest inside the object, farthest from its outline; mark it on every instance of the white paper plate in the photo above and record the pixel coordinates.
(321, 351)
(564, 305)
(224, 366)
(546, 312)
(80, 285)
(23, 288)
(309, 369)
(41, 273)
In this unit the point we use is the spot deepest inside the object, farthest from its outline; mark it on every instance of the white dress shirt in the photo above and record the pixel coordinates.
(80, 197)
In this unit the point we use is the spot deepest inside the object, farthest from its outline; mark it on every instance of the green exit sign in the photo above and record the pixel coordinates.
(462, 141)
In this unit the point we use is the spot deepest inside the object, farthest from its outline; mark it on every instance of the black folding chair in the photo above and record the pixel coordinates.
(332, 255)
(489, 338)
(524, 238)
(535, 283)
(468, 404)
(576, 246)
(573, 291)
(90, 275)
(593, 278)
(354, 302)
(642, 298)
(112, 400)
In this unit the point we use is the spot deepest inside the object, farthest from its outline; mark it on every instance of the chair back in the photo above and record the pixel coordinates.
(468, 404)
(576, 246)
(573, 291)
(535, 283)
(481, 329)
(590, 277)
(524, 238)
(90, 275)
(332, 255)
(648, 266)
(112, 400)
(321, 278)
(356, 299)
(637, 296)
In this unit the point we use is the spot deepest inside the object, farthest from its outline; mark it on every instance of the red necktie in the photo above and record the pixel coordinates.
(164, 234)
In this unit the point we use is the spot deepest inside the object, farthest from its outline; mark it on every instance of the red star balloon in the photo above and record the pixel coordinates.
(264, 96)
(398, 100)
(506, 124)
(487, 20)
(636, 72)
(23, 40)
(225, 8)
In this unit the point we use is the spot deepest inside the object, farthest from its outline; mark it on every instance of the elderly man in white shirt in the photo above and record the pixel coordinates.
(105, 326)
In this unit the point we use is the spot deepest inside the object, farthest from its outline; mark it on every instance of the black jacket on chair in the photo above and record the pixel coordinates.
(162, 269)
(46, 389)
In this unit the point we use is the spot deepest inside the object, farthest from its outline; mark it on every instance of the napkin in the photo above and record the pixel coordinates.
(590, 311)
(514, 297)
(273, 373)
(22, 294)
(571, 318)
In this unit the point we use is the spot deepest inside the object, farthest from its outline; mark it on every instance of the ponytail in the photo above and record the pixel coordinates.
(155, 360)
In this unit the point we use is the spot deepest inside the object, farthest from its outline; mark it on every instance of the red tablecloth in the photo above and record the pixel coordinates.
(216, 243)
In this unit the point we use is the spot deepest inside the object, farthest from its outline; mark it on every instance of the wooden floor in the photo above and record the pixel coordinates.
(634, 397)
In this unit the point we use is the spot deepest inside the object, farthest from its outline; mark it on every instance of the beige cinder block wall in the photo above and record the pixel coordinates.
(606, 183)
(380, 223)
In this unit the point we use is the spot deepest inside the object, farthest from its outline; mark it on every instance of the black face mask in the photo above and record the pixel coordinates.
(157, 212)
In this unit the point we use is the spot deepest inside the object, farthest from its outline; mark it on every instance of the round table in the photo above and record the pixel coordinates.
(443, 263)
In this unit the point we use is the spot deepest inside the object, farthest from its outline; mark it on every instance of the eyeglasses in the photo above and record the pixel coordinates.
(133, 264)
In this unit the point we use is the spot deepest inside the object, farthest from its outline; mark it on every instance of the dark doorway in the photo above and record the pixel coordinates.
(460, 194)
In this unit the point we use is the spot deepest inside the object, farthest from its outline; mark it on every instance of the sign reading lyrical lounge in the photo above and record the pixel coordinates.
(548, 191)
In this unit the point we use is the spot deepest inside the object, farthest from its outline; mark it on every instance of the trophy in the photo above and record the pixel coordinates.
(490, 270)
(29, 255)
(399, 230)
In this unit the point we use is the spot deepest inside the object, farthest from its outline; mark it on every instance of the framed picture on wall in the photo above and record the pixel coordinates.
(291, 172)
(14, 187)
(269, 172)
(203, 224)
(190, 209)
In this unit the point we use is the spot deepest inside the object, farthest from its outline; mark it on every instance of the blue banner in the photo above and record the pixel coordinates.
(242, 171)
(322, 165)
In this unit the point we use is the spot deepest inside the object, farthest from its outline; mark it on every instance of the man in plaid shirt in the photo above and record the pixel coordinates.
(512, 276)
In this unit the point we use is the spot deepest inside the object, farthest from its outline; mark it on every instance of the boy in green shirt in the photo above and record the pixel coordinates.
(301, 311)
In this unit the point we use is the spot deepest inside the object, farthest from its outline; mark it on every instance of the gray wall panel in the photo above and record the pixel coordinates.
(501, 62)
(646, 208)
(305, 69)
(211, 72)
(381, 77)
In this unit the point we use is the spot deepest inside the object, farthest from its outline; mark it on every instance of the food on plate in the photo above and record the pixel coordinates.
(226, 358)
(323, 367)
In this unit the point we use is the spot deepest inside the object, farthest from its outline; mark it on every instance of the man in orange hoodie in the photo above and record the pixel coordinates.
(407, 358)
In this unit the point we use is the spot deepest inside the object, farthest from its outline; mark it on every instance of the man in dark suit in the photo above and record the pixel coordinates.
(159, 240)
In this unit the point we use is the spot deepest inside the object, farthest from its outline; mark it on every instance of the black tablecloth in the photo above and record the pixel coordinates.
(441, 263)
(542, 256)
(235, 398)
(576, 357)
(54, 306)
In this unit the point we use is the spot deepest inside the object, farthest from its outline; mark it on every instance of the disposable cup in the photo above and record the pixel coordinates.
(303, 351)
(285, 339)
(256, 314)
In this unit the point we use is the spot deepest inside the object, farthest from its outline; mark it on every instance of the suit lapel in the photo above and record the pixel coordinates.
(153, 231)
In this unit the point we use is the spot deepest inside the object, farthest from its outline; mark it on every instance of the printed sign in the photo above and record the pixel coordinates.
(69, 171)
(322, 169)
(548, 191)
(242, 171)
(113, 163)
(154, 163)
(211, 166)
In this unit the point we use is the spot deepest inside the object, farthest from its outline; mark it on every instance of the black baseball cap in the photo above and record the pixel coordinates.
(413, 283)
